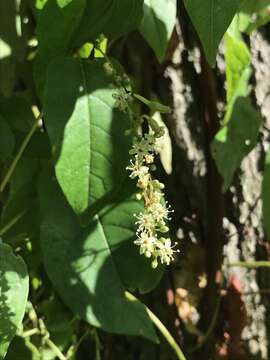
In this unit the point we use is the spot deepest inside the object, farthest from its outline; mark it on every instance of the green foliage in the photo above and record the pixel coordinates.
(211, 22)
(238, 62)
(238, 67)
(13, 295)
(235, 140)
(69, 115)
(86, 131)
(157, 24)
(61, 3)
(113, 18)
(253, 15)
(90, 280)
(51, 41)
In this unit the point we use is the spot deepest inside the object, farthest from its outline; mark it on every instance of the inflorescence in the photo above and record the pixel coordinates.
(152, 221)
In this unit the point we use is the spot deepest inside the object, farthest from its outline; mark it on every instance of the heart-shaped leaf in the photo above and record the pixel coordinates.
(90, 282)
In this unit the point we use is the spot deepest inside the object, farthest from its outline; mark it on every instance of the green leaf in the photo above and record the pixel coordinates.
(86, 132)
(118, 223)
(252, 6)
(112, 18)
(211, 20)
(266, 195)
(14, 284)
(157, 24)
(238, 71)
(89, 281)
(61, 3)
(235, 140)
(7, 141)
(262, 18)
(238, 68)
(56, 28)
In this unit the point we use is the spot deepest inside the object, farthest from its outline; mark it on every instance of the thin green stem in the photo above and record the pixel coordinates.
(55, 349)
(73, 349)
(11, 223)
(19, 154)
(98, 345)
(163, 330)
(250, 264)
(30, 332)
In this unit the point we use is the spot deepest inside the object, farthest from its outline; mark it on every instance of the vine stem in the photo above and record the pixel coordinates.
(73, 349)
(98, 345)
(55, 349)
(11, 223)
(19, 154)
(250, 264)
(161, 327)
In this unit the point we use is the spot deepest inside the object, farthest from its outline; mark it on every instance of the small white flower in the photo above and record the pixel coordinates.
(156, 197)
(137, 170)
(143, 181)
(152, 221)
(146, 243)
(146, 221)
(149, 158)
(165, 251)
(160, 211)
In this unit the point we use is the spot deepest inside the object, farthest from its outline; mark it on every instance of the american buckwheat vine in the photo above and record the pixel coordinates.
(152, 221)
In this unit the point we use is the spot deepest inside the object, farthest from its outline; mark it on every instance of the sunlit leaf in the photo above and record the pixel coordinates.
(87, 133)
(90, 282)
(13, 295)
(235, 140)
(211, 20)
(157, 24)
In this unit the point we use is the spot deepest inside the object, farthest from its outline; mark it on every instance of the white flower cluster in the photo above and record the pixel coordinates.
(151, 222)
